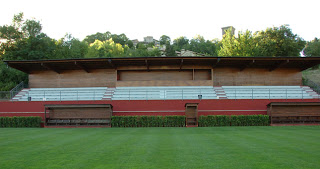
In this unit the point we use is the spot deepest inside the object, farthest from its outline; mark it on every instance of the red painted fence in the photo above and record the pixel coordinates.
(153, 107)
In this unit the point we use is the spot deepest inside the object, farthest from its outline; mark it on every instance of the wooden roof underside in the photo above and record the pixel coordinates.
(271, 63)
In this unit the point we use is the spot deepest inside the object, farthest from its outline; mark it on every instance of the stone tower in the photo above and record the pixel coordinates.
(224, 29)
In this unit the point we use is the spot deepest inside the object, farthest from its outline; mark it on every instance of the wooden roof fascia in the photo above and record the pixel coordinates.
(270, 63)
(166, 58)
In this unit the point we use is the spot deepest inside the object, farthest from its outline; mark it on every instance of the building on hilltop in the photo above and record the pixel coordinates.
(135, 42)
(188, 53)
(148, 39)
(224, 29)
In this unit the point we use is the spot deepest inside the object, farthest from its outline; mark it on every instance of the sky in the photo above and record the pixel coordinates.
(175, 18)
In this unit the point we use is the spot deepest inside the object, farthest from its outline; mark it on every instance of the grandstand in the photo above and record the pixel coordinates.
(166, 93)
(159, 86)
(61, 94)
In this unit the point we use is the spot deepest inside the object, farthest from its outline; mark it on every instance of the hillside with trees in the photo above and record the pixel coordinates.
(24, 40)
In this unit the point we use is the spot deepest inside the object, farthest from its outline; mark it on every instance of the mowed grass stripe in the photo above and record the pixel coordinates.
(213, 147)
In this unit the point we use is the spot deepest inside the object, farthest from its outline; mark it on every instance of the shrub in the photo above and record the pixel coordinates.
(211, 121)
(20, 121)
(234, 120)
(148, 121)
(250, 120)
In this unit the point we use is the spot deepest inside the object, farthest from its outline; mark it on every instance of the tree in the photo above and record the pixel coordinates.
(180, 43)
(129, 44)
(278, 41)
(10, 34)
(32, 48)
(200, 45)
(98, 36)
(26, 41)
(312, 48)
(23, 40)
(70, 47)
(10, 77)
(245, 45)
(228, 45)
(164, 40)
(31, 28)
(106, 48)
(271, 42)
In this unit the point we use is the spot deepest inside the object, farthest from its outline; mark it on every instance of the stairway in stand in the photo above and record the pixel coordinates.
(108, 94)
(220, 93)
(311, 92)
(20, 94)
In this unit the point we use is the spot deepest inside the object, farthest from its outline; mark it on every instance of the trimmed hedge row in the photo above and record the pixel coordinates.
(241, 120)
(148, 121)
(250, 120)
(31, 121)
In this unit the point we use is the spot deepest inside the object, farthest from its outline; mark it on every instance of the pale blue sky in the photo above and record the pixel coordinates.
(175, 18)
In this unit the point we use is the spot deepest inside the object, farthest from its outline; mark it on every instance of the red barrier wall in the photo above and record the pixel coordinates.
(153, 107)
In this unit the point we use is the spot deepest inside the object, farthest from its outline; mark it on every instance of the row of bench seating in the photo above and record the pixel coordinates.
(167, 93)
(266, 92)
(54, 94)
(164, 93)
(295, 119)
(86, 122)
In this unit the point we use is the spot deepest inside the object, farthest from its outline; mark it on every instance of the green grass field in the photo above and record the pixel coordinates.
(215, 147)
(312, 74)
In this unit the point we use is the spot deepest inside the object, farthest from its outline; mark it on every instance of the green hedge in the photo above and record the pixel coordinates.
(148, 121)
(241, 120)
(210, 121)
(250, 120)
(20, 121)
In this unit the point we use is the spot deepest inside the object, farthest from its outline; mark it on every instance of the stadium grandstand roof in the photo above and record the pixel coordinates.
(88, 64)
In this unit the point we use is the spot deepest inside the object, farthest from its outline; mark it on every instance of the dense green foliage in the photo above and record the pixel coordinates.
(20, 121)
(156, 148)
(312, 48)
(148, 121)
(250, 120)
(211, 121)
(241, 120)
(276, 41)
(10, 77)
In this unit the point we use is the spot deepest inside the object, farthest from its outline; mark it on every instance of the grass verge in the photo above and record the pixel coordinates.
(212, 147)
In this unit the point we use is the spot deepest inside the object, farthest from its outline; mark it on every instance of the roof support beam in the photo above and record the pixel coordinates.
(111, 63)
(79, 65)
(147, 64)
(19, 68)
(246, 65)
(307, 66)
(279, 65)
(216, 63)
(50, 68)
(181, 63)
